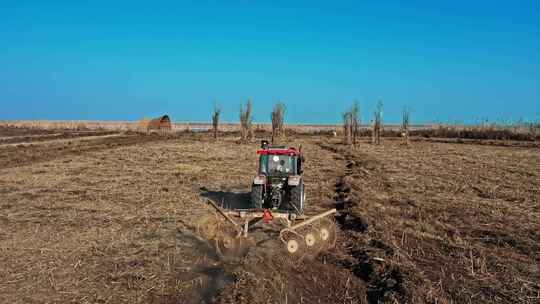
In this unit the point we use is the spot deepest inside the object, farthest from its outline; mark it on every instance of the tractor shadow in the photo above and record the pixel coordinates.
(228, 199)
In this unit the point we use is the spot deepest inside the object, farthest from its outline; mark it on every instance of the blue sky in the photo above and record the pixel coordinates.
(450, 61)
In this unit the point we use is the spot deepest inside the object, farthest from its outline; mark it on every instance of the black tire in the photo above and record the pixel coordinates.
(257, 196)
(297, 198)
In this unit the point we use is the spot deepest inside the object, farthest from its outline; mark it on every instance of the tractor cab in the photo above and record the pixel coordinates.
(278, 184)
(277, 192)
(279, 161)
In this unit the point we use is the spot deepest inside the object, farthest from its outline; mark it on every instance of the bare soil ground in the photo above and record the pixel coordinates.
(114, 220)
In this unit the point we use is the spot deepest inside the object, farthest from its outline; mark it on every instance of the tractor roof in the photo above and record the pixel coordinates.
(279, 150)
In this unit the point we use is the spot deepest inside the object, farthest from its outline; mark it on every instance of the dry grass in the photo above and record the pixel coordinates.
(377, 124)
(521, 132)
(114, 220)
(111, 226)
(457, 223)
(277, 117)
(118, 223)
(215, 119)
(246, 121)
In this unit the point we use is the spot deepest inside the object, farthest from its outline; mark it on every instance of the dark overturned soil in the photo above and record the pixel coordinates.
(24, 152)
(8, 131)
(443, 223)
(60, 134)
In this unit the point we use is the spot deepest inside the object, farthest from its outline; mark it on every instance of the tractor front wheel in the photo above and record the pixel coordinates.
(297, 198)
(257, 196)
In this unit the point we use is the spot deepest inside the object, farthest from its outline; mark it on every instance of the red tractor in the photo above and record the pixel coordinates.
(279, 184)
(277, 193)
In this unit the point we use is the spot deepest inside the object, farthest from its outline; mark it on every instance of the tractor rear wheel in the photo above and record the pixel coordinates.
(257, 196)
(297, 198)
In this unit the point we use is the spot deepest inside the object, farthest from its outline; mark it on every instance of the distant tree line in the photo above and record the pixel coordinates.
(352, 130)
(351, 122)
(277, 117)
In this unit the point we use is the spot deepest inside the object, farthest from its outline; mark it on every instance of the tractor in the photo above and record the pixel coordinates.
(277, 196)
(279, 184)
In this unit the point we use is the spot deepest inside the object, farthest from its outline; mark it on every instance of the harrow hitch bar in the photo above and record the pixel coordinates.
(253, 216)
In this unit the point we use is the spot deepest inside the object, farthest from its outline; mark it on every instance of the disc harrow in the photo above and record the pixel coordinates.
(303, 237)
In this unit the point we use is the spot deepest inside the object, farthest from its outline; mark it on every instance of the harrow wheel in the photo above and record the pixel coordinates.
(295, 245)
(229, 244)
(312, 240)
(327, 233)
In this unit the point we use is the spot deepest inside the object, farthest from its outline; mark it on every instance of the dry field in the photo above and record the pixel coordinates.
(111, 218)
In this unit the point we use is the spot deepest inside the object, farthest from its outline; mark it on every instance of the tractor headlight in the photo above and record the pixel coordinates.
(294, 180)
(259, 180)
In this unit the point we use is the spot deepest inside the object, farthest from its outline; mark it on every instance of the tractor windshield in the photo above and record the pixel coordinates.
(278, 165)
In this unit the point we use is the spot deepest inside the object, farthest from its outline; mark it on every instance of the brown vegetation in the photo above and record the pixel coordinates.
(215, 119)
(519, 132)
(277, 117)
(377, 124)
(492, 132)
(443, 223)
(347, 128)
(113, 219)
(246, 121)
(351, 124)
(405, 125)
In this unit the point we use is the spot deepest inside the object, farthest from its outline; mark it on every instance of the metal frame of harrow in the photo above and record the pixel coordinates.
(253, 216)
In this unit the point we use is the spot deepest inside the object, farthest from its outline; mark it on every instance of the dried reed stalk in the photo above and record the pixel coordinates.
(246, 121)
(277, 116)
